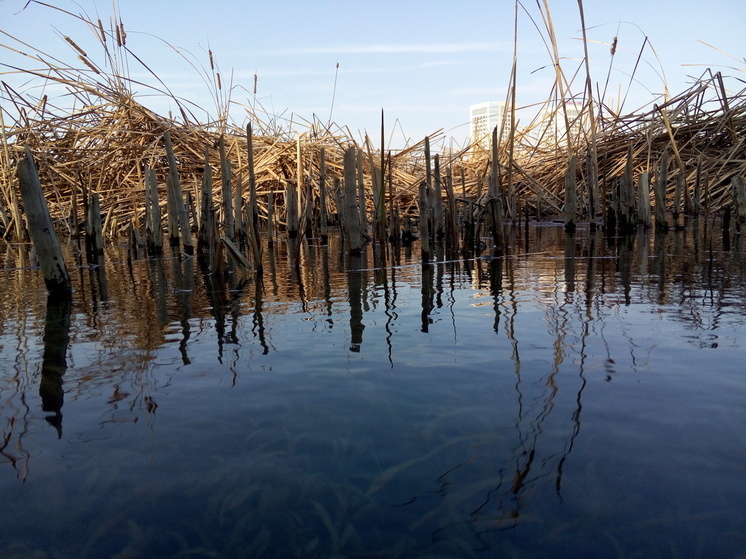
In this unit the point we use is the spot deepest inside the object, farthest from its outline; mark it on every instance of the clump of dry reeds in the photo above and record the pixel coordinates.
(106, 141)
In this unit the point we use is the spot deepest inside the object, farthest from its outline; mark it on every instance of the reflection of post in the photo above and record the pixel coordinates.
(660, 256)
(54, 364)
(496, 287)
(355, 288)
(625, 266)
(98, 273)
(326, 279)
(184, 280)
(427, 296)
(590, 274)
(257, 327)
(570, 261)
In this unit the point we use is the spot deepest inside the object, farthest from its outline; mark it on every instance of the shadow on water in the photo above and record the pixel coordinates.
(375, 405)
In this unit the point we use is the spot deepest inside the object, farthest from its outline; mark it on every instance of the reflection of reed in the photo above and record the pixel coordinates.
(54, 363)
(355, 279)
(427, 297)
(257, 321)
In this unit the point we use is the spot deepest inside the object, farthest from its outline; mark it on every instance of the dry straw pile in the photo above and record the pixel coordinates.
(104, 144)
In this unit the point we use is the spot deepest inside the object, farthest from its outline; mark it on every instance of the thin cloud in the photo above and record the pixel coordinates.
(423, 48)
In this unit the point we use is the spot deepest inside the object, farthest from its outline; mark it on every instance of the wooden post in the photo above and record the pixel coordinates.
(352, 214)
(48, 250)
(173, 173)
(571, 199)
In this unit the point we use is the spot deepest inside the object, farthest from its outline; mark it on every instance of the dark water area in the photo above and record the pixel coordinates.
(577, 398)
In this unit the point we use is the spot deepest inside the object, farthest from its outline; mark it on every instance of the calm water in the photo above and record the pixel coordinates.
(574, 399)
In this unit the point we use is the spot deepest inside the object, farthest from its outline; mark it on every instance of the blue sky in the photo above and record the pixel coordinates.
(423, 62)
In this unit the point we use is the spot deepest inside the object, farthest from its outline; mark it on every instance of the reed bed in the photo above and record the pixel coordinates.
(104, 144)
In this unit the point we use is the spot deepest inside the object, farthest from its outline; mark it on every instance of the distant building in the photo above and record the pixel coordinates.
(483, 118)
(554, 126)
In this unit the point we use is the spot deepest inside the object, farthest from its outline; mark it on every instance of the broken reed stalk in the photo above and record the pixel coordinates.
(41, 229)
(270, 219)
(424, 223)
(361, 199)
(225, 178)
(94, 234)
(739, 200)
(205, 205)
(661, 182)
(643, 197)
(571, 199)
(495, 200)
(291, 209)
(353, 227)
(253, 220)
(153, 221)
(178, 198)
(323, 219)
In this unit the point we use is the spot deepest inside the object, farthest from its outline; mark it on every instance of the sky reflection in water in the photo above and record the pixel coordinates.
(576, 398)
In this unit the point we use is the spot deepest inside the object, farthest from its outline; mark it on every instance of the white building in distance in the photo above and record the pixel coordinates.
(483, 118)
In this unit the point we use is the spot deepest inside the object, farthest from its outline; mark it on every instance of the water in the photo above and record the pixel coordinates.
(578, 398)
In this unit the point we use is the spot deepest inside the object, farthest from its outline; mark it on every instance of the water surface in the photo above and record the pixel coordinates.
(579, 397)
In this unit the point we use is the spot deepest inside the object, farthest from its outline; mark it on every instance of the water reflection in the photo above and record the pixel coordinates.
(54, 361)
(491, 402)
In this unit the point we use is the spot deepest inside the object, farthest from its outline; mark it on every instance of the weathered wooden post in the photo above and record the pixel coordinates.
(571, 198)
(41, 229)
